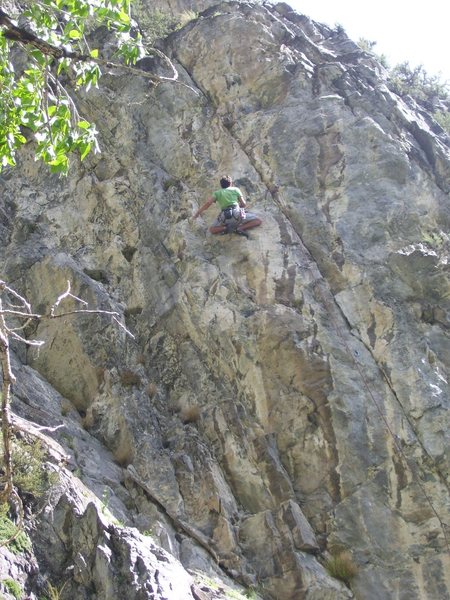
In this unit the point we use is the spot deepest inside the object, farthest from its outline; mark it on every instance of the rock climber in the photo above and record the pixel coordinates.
(232, 217)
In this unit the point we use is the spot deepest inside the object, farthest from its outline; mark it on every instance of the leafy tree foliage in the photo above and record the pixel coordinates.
(443, 118)
(428, 90)
(368, 46)
(416, 82)
(47, 50)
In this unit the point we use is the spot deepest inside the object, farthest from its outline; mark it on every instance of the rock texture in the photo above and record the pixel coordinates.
(283, 397)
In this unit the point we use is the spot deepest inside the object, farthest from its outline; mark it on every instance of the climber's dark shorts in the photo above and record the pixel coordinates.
(233, 217)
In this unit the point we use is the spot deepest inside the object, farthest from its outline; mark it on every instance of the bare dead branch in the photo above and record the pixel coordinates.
(3, 286)
(122, 326)
(55, 449)
(8, 375)
(19, 338)
(66, 294)
(8, 379)
(38, 317)
(80, 311)
(84, 311)
(21, 327)
(8, 492)
(20, 314)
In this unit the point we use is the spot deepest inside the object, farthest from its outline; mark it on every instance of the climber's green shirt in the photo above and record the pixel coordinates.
(227, 197)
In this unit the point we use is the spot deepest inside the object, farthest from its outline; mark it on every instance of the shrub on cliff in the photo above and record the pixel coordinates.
(430, 91)
(341, 566)
(416, 82)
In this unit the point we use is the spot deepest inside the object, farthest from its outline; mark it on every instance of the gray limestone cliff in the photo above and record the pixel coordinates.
(284, 396)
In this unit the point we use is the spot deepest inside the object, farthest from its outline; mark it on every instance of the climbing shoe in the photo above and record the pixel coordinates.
(242, 232)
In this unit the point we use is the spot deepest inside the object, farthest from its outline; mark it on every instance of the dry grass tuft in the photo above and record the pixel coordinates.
(129, 377)
(152, 389)
(186, 17)
(190, 414)
(341, 566)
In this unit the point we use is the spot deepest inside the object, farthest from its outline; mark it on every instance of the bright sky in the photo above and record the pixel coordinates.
(405, 30)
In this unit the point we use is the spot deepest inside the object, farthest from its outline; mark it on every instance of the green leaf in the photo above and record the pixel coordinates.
(7, 160)
(38, 57)
(94, 53)
(63, 65)
(85, 149)
(59, 168)
(124, 17)
(83, 124)
(74, 34)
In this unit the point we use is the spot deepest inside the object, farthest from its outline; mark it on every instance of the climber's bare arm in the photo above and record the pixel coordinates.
(204, 207)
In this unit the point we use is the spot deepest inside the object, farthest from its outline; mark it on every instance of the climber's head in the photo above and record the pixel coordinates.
(225, 181)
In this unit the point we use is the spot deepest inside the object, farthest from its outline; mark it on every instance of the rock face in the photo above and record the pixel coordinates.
(284, 396)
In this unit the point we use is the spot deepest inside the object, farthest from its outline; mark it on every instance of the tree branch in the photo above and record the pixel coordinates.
(25, 37)
(24, 303)
(66, 294)
(24, 314)
(7, 380)
(8, 492)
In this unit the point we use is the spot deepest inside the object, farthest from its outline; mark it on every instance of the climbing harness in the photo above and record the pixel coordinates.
(232, 217)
